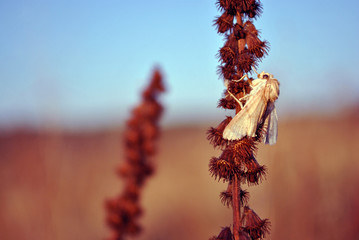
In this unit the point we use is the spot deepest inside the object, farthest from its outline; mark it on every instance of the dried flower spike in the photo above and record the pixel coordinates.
(140, 136)
(255, 119)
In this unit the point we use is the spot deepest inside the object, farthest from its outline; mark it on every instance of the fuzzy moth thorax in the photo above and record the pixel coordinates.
(274, 93)
(272, 87)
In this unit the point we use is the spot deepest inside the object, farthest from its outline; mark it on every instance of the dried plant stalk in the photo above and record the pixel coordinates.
(140, 137)
(237, 164)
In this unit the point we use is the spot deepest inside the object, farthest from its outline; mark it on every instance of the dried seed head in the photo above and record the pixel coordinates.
(232, 42)
(255, 10)
(252, 42)
(227, 55)
(226, 198)
(124, 170)
(227, 103)
(225, 234)
(215, 135)
(122, 212)
(255, 172)
(244, 197)
(246, 61)
(132, 154)
(132, 191)
(250, 29)
(156, 86)
(243, 236)
(227, 70)
(239, 32)
(233, 156)
(221, 169)
(244, 148)
(254, 226)
(224, 23)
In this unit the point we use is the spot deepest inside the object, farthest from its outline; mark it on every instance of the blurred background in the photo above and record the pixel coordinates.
(71, 71)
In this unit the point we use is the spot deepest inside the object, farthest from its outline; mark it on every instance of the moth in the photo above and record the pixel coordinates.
(258, 109)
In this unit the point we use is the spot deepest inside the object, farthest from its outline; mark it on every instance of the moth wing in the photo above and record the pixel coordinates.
(246, 121)
(237, 127)
(270, 133)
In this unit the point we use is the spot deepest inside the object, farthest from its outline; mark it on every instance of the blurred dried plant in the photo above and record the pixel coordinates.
(237, 164)
(140, 140)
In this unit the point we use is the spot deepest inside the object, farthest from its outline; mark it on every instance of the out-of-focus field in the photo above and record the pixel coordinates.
(53, 183)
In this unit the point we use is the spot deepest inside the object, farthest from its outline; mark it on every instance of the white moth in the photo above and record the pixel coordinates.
(258, 109)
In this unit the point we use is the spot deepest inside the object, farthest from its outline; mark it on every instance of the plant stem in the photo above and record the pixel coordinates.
(241, 42)
(236, 207)
(236, 181)
(240, 53)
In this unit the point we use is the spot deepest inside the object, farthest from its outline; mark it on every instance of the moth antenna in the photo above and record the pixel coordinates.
(255, 71)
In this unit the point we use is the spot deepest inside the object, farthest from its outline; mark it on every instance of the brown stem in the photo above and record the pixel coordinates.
(236, 207)
(239, 19)
(241, 42)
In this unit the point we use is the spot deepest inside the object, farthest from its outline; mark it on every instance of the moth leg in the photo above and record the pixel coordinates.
(245, 75)
(238, 100)
(250, 82)
(241, 78)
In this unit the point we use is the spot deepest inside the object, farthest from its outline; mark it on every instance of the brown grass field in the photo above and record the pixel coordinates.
(54, 183)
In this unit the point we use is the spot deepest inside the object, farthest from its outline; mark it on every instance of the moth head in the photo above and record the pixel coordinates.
(264, 75)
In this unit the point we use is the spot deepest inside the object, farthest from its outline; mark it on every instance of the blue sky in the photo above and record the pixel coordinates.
(84, 62)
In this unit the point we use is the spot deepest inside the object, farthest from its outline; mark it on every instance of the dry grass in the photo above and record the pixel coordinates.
(53, 184)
